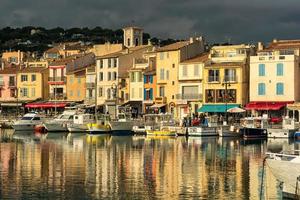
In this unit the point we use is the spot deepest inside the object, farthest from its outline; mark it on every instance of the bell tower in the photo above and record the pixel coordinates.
(133, 36)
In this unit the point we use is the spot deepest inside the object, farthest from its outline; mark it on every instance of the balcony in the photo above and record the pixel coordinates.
(58, 96)
(57, 80)
(213, 79)
(230, 79)
(160, 100)
(189, 96)
(90, 85)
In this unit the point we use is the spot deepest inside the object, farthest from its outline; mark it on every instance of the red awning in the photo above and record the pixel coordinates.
(265, 105)
(45, 105)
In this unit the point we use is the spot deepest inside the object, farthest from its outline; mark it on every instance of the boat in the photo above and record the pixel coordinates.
(286, 168)
(59, 124)
(122, 124)
(27, 122)
(161, 132)
(101, 125)
(229, 131)
(202, 131)
(254, 127)
(80, 122)
(287, 131)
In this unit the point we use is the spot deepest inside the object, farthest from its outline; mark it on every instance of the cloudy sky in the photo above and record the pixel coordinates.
(236, 21)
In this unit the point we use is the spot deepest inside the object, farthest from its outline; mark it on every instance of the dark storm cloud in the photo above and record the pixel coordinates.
(219, 21)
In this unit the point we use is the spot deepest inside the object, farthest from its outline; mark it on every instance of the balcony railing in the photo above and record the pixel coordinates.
(230, 78)
(58, 96)
(90, 85)
(57, 79)
(189, 96)
(213, 79)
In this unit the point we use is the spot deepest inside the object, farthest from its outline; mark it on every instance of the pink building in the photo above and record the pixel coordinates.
(8, 86)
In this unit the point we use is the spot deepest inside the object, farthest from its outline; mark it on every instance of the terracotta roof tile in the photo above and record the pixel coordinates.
(199, 58)
(173, 47)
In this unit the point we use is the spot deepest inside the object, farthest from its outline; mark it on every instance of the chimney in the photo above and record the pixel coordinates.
(260, 46)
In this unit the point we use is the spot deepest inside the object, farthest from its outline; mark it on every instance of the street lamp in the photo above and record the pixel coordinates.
(114, 89)
(226, 84)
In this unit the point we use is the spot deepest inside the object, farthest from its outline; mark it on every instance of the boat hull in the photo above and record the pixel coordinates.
(121, 126)
(56, 127)
(78, 128)
(280, 133)
(253, 133)
(202, 131)
(24, 127)
(98, 128)
(161, 133)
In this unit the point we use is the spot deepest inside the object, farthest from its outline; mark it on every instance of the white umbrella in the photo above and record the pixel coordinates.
(236, 110)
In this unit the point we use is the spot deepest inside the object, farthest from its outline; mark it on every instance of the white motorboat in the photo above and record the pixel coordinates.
(60, 123)
(80, 122)
(123, 123)
(287, 131)
(202, 131)
(229, 131)
(27, 122)
(286, 169)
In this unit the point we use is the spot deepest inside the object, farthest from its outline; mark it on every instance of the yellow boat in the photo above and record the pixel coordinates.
(163, 132)
(101, 125)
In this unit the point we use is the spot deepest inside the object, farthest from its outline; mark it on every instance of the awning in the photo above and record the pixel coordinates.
(217, 108)
(46, 105)
(12, 104)
(260, 105)
(293, 106)
(132, 103)
(157, 105)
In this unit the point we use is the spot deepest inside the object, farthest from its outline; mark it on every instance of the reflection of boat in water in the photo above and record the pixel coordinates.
(286, 169)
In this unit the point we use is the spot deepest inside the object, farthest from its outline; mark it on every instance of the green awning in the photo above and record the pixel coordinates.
(217, 108)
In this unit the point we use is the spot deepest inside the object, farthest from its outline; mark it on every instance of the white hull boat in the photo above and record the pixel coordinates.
(80, 123)
(56, 127)
(27, 122)
(141, 130)
(60, 123)
(286, 169)
(121, 125)
(202, 131)
(280, 133)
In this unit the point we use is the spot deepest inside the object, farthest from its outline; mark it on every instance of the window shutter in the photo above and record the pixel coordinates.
(151, 93)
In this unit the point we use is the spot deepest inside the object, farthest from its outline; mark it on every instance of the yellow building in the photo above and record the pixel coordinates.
(76, 85)
(226, 78)
(15, 57)
(168, 59)
(32, 83)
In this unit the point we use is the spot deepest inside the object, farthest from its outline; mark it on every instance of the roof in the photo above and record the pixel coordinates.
(199, 58)
(9, 70)
(173, 47)
(124, 51)
(32, 69)
(283, 44)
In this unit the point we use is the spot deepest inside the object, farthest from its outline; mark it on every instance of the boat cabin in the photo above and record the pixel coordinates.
(31, 116)
(83, 118)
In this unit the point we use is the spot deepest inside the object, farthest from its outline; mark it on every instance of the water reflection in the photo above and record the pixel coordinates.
(82, 166)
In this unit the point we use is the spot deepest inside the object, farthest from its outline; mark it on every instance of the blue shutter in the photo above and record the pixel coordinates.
(151, 94)
(279, 89)
(261, 70)
(151, 78)
(279, 69)
(261, 89)
(145, 79)
(145, 94)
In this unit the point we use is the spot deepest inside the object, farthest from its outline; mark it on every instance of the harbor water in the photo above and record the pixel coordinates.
(80, 166)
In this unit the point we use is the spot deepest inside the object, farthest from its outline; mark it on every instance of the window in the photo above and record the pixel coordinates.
(261, 89)
(173, 82)
(140, 76)
(132, 77)
(213, 75)
(23, 78)
(128, 42)
(210, 96)
(230, 75)
(109, 76)
(161, 91)
(32, 92)
(11, 81)
(114, 76)
(196, 70)
(78, 93)
(36, 118)
(109, 63)
(161, 55)
(279, 69)
(12, 93)
(162, 74)
(23, 92)
(108, 93)
(71, 93)
(115, 62)
(167, 74)
(173, 65)
(261, 70)
(184, 71)
(100, 92)
(33, 77)
(71, 79)
(78, 80)
(101, 64)
(101, 76)
(279, 89)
